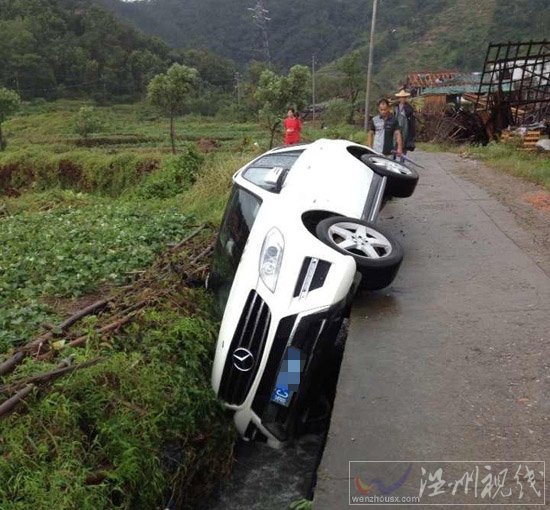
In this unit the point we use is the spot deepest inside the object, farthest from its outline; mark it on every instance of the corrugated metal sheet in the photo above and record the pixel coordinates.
(467, 88)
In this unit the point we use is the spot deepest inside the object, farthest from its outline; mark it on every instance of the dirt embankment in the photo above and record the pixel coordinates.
(528, 202)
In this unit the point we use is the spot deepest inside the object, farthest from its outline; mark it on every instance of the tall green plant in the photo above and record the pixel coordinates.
(87, 122)
(168, 92)
(354, 79)
(9, 104)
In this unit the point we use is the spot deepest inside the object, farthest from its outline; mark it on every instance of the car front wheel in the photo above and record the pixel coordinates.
(376, 254)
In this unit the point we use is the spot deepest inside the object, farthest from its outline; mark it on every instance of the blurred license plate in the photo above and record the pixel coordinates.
(288, 379)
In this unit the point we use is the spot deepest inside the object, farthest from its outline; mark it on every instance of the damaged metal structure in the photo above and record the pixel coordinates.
(510, 98)
(515, 84)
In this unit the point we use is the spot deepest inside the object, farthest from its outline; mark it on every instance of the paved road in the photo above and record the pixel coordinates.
(453, 361)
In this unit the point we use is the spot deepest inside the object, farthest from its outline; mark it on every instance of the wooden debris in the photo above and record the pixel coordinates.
(47, 377)
(37, 344)
(9, 405)
(451, 126)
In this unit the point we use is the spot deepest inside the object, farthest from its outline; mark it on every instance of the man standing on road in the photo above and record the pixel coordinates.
(405, 116)
(292, 127)
(384, 128)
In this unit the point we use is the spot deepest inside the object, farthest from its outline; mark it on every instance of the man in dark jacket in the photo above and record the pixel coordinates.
(405, 116)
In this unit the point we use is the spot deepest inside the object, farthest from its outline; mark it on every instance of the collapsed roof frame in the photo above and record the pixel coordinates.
(522, 69)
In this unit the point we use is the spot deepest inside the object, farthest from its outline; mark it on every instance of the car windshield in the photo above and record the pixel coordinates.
(265, 172)
(240, 213)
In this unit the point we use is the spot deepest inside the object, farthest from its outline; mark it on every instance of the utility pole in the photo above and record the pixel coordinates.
(369, 68)
(238, 87)
(313, 87)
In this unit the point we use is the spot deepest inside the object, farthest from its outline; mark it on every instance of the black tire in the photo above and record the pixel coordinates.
(401, 180)
(377, 272)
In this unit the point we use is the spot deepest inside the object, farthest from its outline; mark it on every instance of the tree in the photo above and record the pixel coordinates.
(336, 112)
(168, 92)
(354, 80)
(87, 122)
(9, 104)
(278, 93)
(216, 70)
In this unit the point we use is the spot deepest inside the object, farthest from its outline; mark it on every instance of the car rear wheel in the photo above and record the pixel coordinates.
(401, 180)
(376, 254)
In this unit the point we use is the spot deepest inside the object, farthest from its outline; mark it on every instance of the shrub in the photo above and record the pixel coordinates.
(177, 174)
(236, 113)
(87, 122)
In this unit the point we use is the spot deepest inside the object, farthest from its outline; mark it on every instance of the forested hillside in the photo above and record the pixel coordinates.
(411, 34)
(51, 48)
(71, 48)
(65, 48)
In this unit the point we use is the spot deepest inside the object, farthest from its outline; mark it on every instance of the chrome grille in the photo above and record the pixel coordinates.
(245, 352)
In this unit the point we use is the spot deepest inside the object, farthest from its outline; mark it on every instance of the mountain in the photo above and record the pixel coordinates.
(410, 34)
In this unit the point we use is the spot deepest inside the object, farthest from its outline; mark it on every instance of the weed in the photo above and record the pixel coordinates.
(177, 174)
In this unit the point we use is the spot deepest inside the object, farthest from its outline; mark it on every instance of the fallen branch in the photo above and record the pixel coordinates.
(202, 254)
(153, 284)
(47, 377)
(10, 404)
(93, 308)
(36, 344)
(7, 366)
(189, 237)
(105, 329)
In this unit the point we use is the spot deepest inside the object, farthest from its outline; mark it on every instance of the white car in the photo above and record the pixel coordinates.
(297, 239)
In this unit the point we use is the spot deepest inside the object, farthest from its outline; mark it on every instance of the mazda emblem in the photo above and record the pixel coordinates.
(243, 359)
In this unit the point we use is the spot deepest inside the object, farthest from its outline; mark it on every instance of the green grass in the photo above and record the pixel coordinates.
(126, 433)
(43, 151)
(530, 166)
(137, 128)
(206, 199)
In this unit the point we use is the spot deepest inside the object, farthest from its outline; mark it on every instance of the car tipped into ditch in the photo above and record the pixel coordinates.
(298, 238)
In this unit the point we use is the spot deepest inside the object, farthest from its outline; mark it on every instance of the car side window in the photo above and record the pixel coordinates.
(241, 213)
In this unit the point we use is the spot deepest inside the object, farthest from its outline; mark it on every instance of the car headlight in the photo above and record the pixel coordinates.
(271, 258)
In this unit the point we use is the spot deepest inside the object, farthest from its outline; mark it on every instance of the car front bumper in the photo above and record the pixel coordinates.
(250, 393)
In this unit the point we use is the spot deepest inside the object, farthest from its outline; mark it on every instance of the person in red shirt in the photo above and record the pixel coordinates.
(292, 127)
